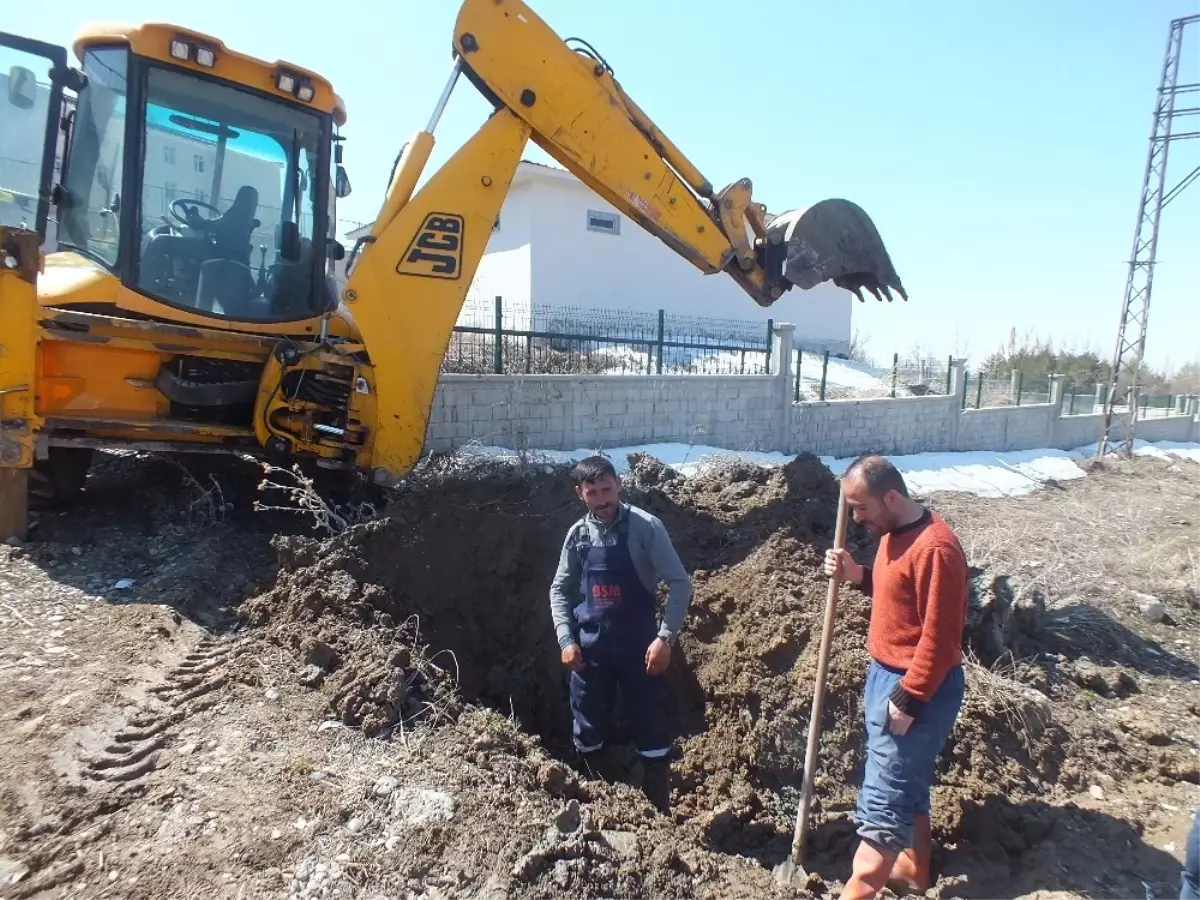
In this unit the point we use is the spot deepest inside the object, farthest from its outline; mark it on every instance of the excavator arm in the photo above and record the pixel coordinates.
(582, 117)
(408, 284)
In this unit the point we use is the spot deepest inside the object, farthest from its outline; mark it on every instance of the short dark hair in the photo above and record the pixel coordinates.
(592, 469)
(879, 474)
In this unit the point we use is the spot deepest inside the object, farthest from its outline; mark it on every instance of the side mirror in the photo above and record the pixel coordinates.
(22, 87)
(336, 251)
(289, 241)
(341, 183)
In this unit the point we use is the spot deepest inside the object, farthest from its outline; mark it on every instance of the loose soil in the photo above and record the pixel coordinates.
(382, 713)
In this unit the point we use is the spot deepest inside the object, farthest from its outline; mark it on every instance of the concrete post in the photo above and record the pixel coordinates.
(1014, 387)
(1056, 393)
(1181, 405)
(958, 389)
(781, 367)
(1056, 407)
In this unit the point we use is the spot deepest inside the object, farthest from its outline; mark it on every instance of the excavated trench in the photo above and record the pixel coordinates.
(444, 602)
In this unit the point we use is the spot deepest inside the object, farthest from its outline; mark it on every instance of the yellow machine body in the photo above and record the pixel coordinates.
(146, 324)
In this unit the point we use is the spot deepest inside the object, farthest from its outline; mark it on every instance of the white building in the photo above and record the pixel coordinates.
(557, 243)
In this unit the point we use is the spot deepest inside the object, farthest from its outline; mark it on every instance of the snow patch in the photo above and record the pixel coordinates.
(983, 473)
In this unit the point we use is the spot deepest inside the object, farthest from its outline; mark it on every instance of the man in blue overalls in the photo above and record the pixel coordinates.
(603, 603)
(1189, 888)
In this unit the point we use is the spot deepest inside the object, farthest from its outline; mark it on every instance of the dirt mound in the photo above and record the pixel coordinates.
(451, 589)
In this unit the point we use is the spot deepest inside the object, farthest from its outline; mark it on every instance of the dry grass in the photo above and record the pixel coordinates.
(1025, 711)
(1131, 526)
(302, 497)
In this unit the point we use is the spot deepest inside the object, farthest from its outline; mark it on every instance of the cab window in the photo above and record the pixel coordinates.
(228, 201)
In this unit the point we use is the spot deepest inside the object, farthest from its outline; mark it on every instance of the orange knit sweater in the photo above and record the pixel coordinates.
(918, 590)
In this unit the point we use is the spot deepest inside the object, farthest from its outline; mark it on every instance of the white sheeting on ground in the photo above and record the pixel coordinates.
(980, 472)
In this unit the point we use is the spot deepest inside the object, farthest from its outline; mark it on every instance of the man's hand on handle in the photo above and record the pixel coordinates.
(839, 564)
(572, 657)
(658, 657)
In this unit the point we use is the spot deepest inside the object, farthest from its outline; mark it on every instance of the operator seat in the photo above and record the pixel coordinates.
(227, 285)
(232, 230)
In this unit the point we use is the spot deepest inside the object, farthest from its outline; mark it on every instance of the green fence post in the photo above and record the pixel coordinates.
(498, 338)
(824, 372)
(966, 384)
(979, 392)
(1071, 408)
(649, 359)
(770, 343)
(528, 353)
(799, 361)
(949, 369)
(1170, 404)
(662, 336)
(1020, 379)
(895, 372)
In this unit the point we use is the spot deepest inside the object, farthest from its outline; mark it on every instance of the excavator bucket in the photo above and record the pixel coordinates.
(834, 240)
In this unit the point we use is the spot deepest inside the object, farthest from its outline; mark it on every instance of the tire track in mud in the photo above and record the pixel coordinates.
(136, 750)
(132, 753)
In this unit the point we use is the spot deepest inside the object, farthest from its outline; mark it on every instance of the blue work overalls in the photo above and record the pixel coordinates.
(617, 623)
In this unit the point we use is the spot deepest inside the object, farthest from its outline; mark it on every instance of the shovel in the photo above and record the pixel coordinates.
(789, 871)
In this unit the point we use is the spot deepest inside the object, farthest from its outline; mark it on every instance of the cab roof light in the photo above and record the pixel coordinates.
(187, 51)
(299, 86)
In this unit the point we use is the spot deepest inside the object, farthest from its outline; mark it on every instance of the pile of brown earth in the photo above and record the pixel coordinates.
(440, 607)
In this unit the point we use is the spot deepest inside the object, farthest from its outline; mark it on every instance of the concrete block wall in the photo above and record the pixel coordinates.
(850, 427)
(1079, 431)
(565, 412)
(1006, 427)
(753, 412)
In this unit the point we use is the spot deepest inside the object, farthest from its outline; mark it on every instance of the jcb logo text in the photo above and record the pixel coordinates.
(436, 250)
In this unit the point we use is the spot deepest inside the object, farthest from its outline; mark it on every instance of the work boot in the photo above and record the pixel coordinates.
(597, 764)
(870, 871)
(656, 783)
(910, 872)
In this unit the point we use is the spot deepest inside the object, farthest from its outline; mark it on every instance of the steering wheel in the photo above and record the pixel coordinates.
(179, 212)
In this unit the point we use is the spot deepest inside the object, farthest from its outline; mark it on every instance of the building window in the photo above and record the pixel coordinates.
(169, 155)
(171, 190)
(198, 162)
(609, 223)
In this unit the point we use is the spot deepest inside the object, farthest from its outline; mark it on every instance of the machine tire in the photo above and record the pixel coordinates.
(60, 477)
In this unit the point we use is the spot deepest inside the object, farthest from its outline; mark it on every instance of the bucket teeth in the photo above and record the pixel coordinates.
(835, 240)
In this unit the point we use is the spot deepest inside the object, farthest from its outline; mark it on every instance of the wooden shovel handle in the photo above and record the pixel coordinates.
(814, 723)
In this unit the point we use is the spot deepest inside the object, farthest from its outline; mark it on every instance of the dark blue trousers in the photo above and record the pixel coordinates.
(1190, 880)
(613, 660)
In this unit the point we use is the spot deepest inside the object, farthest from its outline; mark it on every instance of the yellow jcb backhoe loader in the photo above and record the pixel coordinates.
(187, 302)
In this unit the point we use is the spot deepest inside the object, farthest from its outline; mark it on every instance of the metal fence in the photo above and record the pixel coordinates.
(495, 337)
(536, 339)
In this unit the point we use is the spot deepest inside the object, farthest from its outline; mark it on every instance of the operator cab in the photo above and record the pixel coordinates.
(201, 178)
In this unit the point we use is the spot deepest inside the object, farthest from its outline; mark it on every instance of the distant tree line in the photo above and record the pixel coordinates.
(1036, 359)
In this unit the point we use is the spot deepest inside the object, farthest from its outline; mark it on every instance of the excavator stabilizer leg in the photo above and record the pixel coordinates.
(834, 240)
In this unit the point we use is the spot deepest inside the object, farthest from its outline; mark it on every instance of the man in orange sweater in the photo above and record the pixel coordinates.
(914, 689)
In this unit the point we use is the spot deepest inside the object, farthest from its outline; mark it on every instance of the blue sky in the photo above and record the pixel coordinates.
(998, 146)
